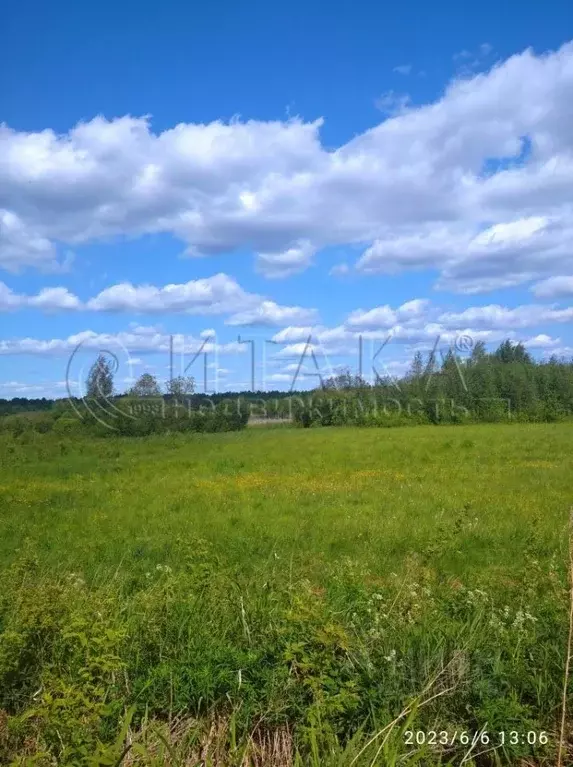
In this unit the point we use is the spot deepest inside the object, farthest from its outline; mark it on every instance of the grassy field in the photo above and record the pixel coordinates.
(285, 596)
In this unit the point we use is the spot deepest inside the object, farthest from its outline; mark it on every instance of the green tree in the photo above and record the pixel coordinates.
(99, 384)
(344, 380)
(510, 352)
(146, 386)
(181, 386)
(417, 368)
(479, 353)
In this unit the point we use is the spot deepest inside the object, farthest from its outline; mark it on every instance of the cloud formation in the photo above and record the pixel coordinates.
(476, 185)
(419, 324)
(215, 295)
(270, 314)
(139, 339)
(554, 287)
(219, 294)
(48, 300)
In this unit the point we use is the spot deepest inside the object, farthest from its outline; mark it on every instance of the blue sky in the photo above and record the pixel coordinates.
(276, 171)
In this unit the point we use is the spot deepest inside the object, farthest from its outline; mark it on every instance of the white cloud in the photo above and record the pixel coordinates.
(504, 254)
(212, 295)
(419, 324)
(380, 317)
(138, 339)
(411, 310)
(48, 299)
(422, 185)
(542, 341)
(384, 317)
(8, 299)
(560, 352)
(271, 314)
(495, 316)
(53, 299)
(315, 336)
(219, 294)
(284, 263)
(554, 287)
(384, 334)
(403, 69)
(21, 247)
(293, 334)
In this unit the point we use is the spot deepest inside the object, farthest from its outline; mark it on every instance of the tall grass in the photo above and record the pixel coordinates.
(284, 596)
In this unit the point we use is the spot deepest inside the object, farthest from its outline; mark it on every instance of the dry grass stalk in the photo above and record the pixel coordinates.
(569, 651)
(185, 743)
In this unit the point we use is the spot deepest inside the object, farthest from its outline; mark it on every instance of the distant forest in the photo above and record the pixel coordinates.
(505, 384)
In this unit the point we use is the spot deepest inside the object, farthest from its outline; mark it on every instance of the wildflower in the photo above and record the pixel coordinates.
(519, 620)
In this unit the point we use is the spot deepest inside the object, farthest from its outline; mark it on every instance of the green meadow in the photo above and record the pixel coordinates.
(283, 596)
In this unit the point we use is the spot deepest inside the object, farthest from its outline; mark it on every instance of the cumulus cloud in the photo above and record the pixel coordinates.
(292, 334)
(219, 294)
(502, 255)
(494, 316)
(284, 263)
(475, 185)
(212, 295)
(21, 246)
(269, 313)
(415, 322)
(137, 340)
(54, 299)
(419, 324)
(48, 299)
(542, 341)
(385, 317)
(554, 287)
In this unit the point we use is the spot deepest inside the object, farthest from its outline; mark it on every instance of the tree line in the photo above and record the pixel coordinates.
(507, 384)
